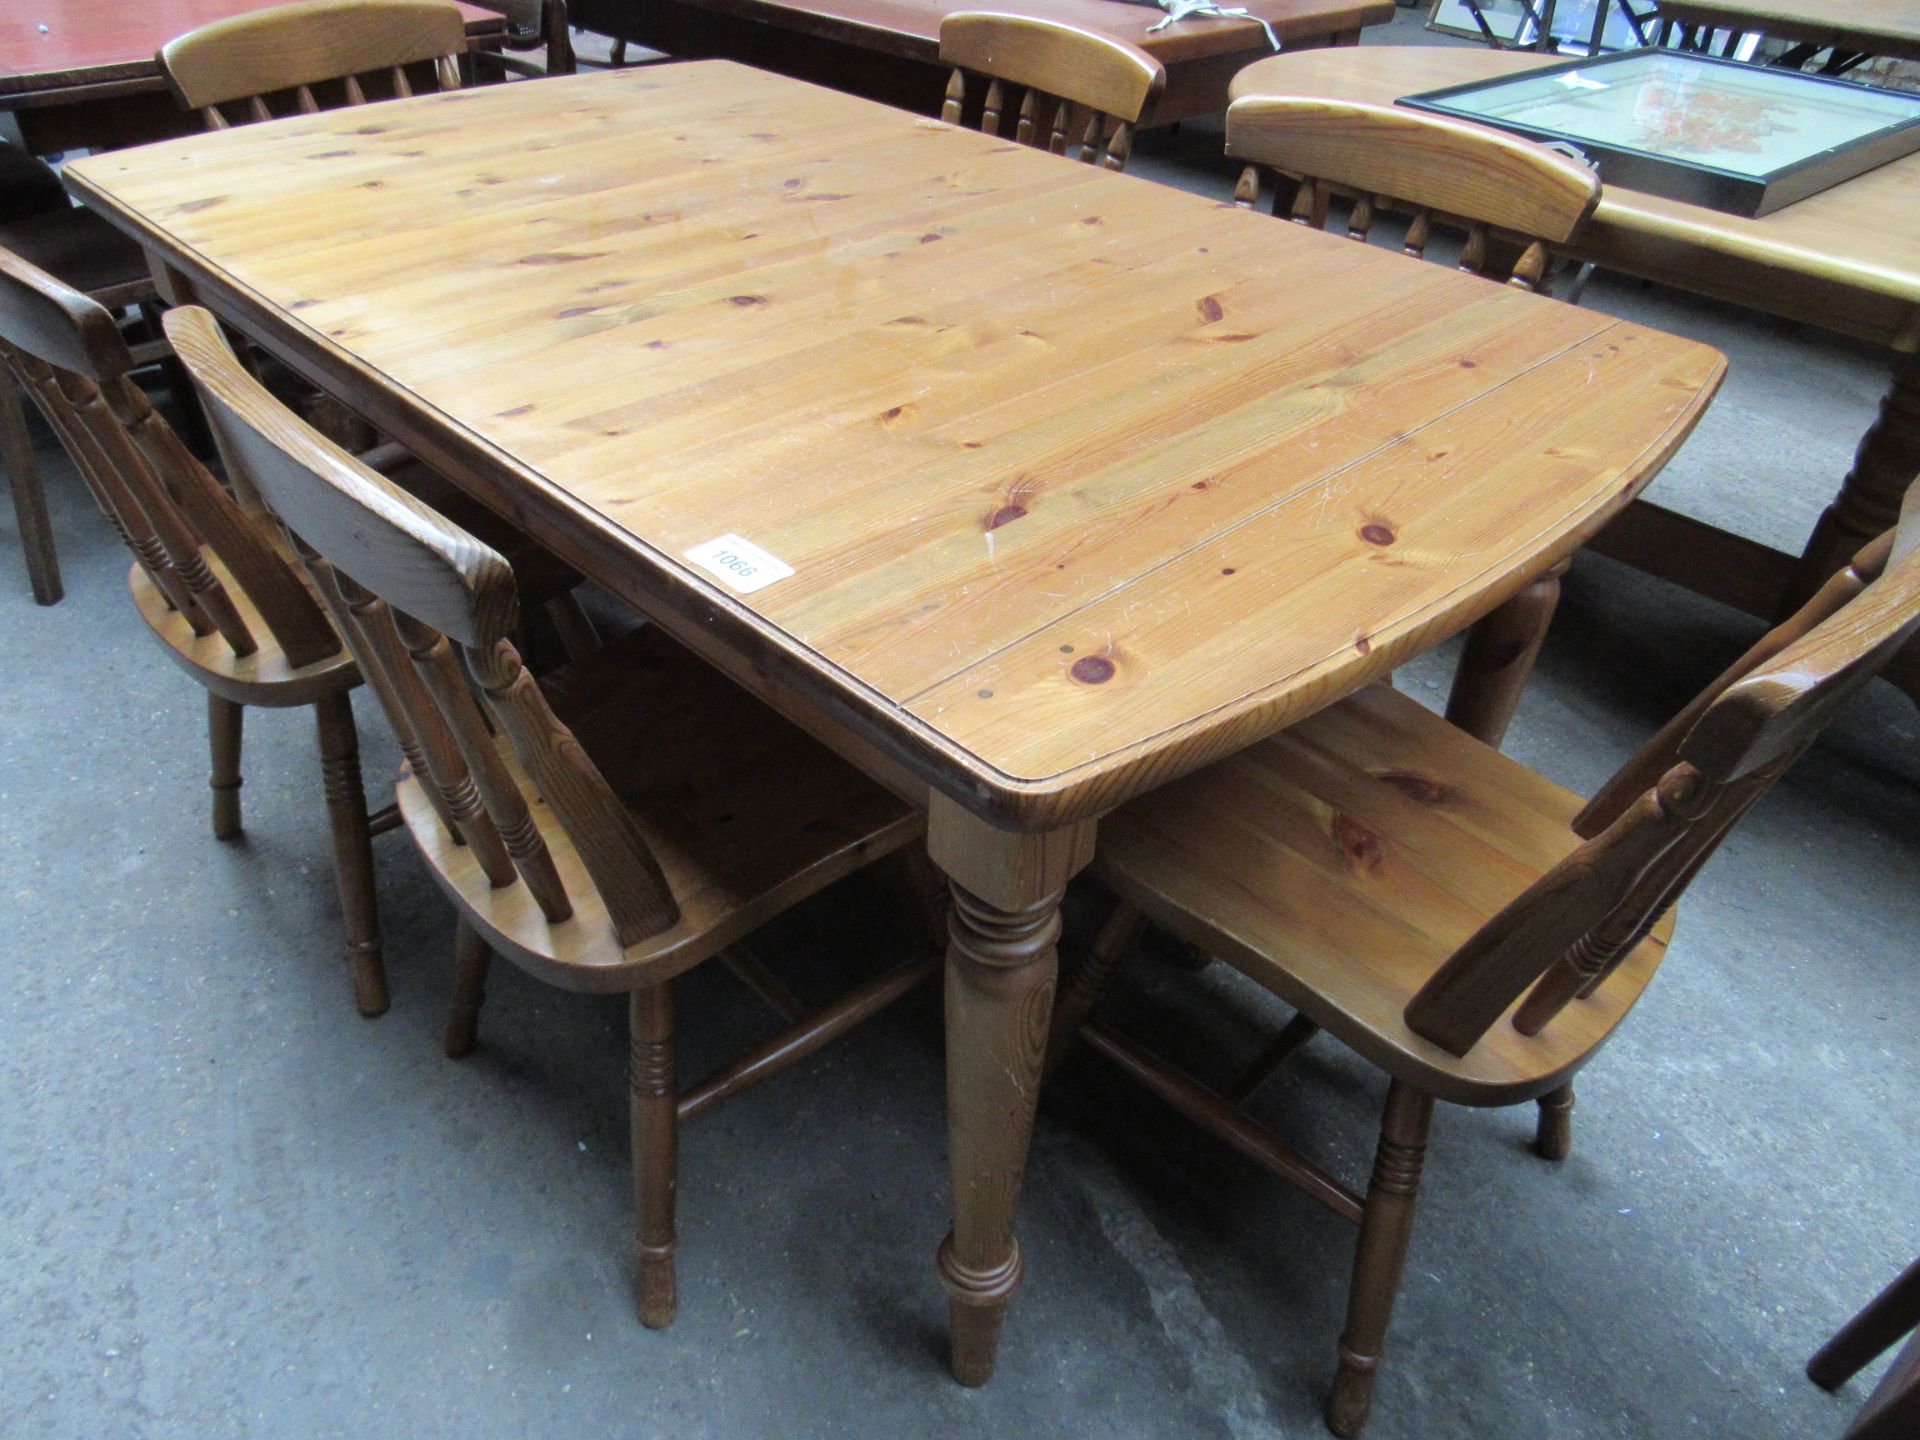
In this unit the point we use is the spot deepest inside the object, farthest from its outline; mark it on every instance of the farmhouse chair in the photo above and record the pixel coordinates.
(224, 602)
(1082, 89)
(1511, 198)
(39, 223)
(1469, 927)
(610, 826)
(313, 55)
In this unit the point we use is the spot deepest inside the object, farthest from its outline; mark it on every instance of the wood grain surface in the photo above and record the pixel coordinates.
(1084, 481)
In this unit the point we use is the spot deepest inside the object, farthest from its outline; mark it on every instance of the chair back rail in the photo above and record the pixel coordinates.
(1062, 69)
(411, 584)
(293, 48)
(1651, 829)
(67, 353)
(1492, 186)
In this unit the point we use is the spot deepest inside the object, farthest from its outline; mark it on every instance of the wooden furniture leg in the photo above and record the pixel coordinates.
(471, 959)
(1869, 498)
(1088, 982)
(1870, 1334)
(29, 497)
(999, 997)
(1498, 661)
(1385, 1229)
(655, 1126)
(1553, 1138)
(225, 719)
(352, 850)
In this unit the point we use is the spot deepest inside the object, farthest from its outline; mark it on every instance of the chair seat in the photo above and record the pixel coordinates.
(1341, 862)
(82, 251)
(746, 814)
(264, 678)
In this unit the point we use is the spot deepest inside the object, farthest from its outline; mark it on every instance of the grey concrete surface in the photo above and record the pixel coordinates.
(231, 1208)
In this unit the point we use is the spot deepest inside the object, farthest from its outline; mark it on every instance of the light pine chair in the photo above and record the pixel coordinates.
(606, 828)
(313, 55)
(39, 223)
(224, 601)
(1469, 927)
(1084, 92)
(1511, 199)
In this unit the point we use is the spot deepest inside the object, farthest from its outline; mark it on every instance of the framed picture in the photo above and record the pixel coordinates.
(1746, 139)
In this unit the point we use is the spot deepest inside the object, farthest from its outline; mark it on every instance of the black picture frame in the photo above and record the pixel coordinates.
(1710, 186)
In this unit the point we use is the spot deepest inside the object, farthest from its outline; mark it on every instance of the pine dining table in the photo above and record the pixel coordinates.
(1025, 485)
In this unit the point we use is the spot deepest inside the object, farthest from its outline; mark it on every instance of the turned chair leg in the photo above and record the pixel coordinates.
(352, 849)
(29, 496)
(1386, 1226)
(471, 958)
(1087, 985)
(655, 1124)
(225, 719)
(1870, 1334)
(1498, 659)
(1553, 1139)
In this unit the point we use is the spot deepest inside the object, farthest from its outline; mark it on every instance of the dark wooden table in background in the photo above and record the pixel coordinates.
(90, 80)
(889, 49)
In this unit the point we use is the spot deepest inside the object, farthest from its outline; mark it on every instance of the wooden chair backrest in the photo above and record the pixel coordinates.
(1458, 176)
(293, 48)
(1650, 829)
(67, 353)
(1063, 68)
(405, 585)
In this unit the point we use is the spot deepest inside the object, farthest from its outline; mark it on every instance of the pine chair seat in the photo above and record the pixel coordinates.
(267, 678)
(745, 813)
(1345, 860)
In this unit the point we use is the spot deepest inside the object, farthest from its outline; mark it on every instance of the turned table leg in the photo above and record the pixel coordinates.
(1499, 657)
(1001, 961)
(1869, 498)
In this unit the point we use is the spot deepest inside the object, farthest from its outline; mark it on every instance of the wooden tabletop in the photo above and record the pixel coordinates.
(911, 28)
(1082, 480)
(111, 43)
(1847, 259)
(1872, 27)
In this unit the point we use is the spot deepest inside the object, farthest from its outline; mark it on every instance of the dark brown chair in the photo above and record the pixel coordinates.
(610, 826)
(1085, 92)
(1513, 200)
(534, 27)
(1461, 922)
(1892, 1411)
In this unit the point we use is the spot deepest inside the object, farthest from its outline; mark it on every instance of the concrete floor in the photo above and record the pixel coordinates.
(230, 1207)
